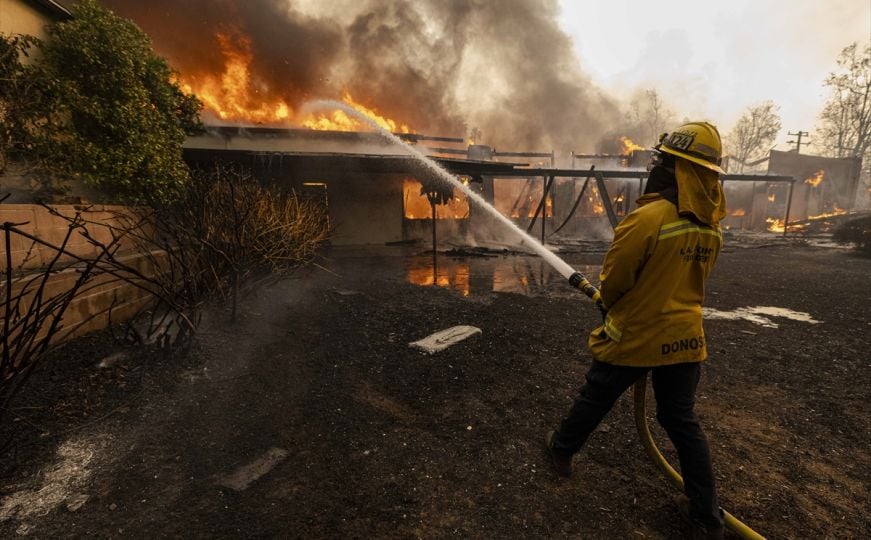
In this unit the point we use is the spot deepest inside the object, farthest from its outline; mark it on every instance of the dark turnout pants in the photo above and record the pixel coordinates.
(674, 387)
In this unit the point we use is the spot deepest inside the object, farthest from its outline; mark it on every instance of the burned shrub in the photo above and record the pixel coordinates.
(236, 230)
(224, 232)
(32, 313)
(856, 232)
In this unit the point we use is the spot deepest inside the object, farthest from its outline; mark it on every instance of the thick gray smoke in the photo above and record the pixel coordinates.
(440, 66)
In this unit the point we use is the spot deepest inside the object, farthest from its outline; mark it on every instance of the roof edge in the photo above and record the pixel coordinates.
(52, 8)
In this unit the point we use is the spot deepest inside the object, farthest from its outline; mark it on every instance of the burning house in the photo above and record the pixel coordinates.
(823, 185)
(423, 67)
(373, 190)
(820, 188)
(413, 68)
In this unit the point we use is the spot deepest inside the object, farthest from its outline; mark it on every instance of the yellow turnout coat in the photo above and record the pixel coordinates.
(653, 276)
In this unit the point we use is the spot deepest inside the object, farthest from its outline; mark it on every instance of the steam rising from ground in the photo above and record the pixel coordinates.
(440, 66)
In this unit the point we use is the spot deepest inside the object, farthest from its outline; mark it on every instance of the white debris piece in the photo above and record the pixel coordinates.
(346, 292)
(759, 315)
(443, 339)
(244, 476)
(111, 360)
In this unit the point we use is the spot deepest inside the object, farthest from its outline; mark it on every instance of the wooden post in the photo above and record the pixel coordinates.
(8, 308)
(606, 199)
(788, 207)
(435, 259)
(548, 187)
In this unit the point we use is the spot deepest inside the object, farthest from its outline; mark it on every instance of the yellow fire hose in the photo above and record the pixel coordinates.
(639, 394)
(580, 281)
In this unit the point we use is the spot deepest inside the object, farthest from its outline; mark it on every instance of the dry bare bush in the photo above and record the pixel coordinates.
(238, 231)
(34, 302)
(225, 231)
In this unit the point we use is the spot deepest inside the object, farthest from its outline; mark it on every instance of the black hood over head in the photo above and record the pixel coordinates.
(662, 179)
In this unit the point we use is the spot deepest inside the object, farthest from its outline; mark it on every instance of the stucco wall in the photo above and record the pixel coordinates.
(17, 17)
(366, 209)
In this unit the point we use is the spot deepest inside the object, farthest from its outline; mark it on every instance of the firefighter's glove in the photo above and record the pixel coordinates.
(602, 310)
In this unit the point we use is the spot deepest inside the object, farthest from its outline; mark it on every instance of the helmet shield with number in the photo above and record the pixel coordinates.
(698, 142)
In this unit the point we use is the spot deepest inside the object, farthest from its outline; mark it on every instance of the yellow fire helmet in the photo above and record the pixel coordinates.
(698, 142)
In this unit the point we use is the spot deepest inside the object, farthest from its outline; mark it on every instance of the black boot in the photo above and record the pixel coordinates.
(697, 530)
(562, 461)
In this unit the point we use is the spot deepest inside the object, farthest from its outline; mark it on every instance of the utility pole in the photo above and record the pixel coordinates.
(797, 142)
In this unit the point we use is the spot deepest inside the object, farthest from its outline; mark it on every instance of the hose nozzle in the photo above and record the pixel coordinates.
(576, 279)
(579, 281)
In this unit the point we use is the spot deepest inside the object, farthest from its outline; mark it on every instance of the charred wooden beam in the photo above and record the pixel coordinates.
(606, 199)
(415, 137)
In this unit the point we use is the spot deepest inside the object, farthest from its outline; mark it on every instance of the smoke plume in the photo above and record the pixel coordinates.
(442, 67)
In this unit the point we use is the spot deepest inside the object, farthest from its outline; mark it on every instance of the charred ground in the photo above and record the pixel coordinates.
(383, 441)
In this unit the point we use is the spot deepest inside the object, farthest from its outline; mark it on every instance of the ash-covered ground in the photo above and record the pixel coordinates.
(313, 418)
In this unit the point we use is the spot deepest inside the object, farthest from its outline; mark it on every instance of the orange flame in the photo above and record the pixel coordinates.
(816, 179)
(340, 121)
(234, 94)
(596, 202)
(835, 212)
(629, 146)
(771, 198)
(739, 213)
(598, 208)
(775, 225)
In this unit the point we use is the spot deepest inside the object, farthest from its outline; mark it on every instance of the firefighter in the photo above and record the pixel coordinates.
(652, 288)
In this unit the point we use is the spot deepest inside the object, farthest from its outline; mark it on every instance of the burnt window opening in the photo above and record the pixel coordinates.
(416, 205)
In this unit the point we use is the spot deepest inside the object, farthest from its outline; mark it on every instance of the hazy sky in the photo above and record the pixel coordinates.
(714, 59)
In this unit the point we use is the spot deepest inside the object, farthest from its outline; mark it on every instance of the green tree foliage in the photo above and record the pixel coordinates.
(26, 105)
(114, 117)
(753, 135)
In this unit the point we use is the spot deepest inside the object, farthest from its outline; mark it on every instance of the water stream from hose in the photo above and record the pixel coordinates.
(558, 264)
